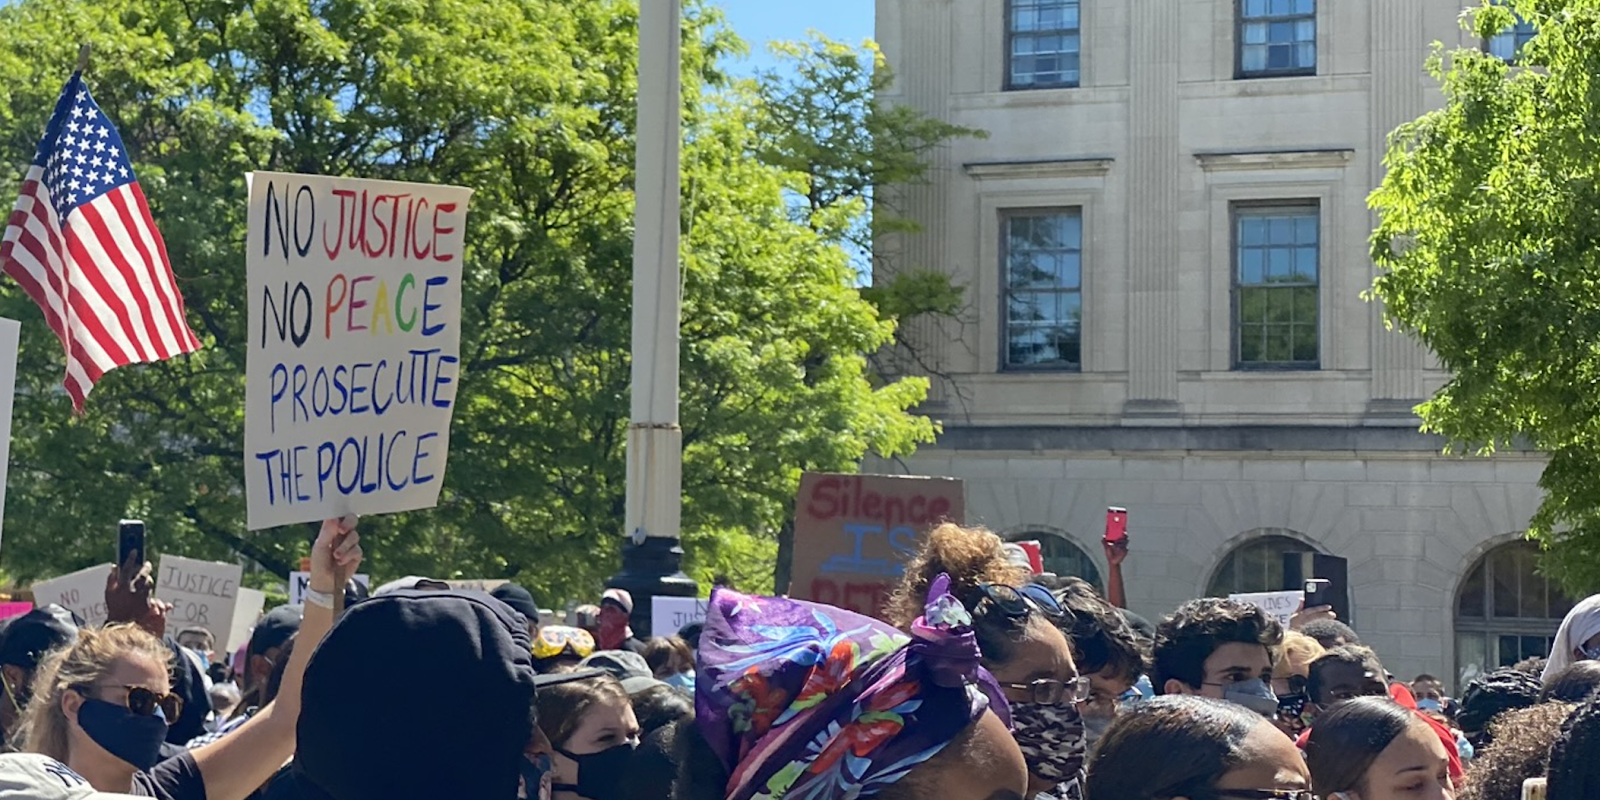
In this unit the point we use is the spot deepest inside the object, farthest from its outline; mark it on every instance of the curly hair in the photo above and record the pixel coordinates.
(971, 557)
(1522, 742)
(1330, 633)
(1187, 638)
(1574, 771)
(1492, 694)
(1574, 684)
(1102, 640)
(1349, 655)
(82, 663)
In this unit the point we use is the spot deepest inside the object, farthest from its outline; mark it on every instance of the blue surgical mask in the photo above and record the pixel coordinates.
(134, 738)
(1254, 694)
(1429, 704)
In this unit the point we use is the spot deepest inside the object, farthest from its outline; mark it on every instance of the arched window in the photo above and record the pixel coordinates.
(1062, 556)
(1506, 611)
(1256, 565)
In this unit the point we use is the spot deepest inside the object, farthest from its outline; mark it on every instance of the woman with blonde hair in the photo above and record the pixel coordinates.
(102, 704)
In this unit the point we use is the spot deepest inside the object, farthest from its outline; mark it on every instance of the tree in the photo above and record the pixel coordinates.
(1490, 237)
(530, 103)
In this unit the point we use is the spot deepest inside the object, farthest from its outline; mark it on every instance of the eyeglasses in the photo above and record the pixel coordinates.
(144, 701)
(557, 639)
(1049, 692)
(1020, 601)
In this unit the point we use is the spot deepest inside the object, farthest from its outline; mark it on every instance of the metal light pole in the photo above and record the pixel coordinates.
(651, 559)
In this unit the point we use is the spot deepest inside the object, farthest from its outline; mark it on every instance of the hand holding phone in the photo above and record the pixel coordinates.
(1314, 589)
(1116, 524)
(130, 548)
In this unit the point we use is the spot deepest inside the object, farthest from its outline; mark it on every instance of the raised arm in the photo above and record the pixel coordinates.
(240, 763)
(1115, 553)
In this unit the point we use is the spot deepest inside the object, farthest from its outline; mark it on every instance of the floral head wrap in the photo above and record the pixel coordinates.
(803, 701)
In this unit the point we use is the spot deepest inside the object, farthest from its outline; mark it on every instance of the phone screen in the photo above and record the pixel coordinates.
(130, 543)
(1116, 524)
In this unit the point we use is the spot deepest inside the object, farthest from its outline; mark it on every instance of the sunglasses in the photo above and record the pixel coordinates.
(143, 701)
(557, 639)
(1050, 692)
(1020, 601)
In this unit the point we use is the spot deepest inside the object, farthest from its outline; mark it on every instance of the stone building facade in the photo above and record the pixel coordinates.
(1163, 241)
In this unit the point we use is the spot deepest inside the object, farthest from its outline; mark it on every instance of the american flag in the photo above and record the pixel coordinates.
(83, 246)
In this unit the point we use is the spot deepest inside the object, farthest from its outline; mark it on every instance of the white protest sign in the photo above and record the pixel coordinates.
(202, 594)
(246, 612)
(83, 593)
(354, 344)
(669, 614)
(299, 582)
(9, 330)
(1279, 605)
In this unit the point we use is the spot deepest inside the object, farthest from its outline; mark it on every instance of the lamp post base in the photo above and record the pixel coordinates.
(652, 569)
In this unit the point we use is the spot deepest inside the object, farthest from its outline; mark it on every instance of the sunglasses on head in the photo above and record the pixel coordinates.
(557, 639)
(1020, 601)
(144, 701)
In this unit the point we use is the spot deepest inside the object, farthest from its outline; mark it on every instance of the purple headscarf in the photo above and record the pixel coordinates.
(803, 701)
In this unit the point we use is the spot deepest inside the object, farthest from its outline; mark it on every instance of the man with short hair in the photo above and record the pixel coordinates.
(27, 639)
(1330, 633)
(1345, 673)
(1222, 649)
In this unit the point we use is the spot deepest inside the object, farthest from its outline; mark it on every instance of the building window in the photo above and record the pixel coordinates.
(1042, 44)
(1277, 37)
(1275, 296)
(1506, 611)
(1256, 565)
(1063, 557)
(1043, 262)
(1507, 45)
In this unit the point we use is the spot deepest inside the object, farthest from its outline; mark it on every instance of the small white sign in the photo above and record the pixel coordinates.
(83, 593)
(1279, 605)
(669, 614)
(299, 582)
(246, 613)
(202, 593)
(9, 329)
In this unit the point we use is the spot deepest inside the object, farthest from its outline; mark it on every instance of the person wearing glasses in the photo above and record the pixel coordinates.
(102, 705)
(1371, 748)
(1104, 647)
(1196, 748)
(1222, 649)
(1018, 627)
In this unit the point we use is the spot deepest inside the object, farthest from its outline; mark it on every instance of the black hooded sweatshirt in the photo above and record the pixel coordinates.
(425, 695)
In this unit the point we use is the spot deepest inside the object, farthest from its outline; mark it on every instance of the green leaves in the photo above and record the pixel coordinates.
(1490, 238)
(530, 103)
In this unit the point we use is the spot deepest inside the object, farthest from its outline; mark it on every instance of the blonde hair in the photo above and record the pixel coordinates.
(1299, 650)
(83, 663)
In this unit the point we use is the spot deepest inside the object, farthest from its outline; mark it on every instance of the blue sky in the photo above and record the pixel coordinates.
(762, 21)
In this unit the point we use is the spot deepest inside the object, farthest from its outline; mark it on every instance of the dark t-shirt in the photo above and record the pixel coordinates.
(177, 778)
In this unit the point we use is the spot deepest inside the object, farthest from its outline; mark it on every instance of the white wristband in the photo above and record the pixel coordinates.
(319, 599)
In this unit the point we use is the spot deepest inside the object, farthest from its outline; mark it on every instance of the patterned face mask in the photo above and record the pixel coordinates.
(1051, 739)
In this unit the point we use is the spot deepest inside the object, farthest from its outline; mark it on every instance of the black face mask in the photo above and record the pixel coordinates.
(134, 738)
(600, 774)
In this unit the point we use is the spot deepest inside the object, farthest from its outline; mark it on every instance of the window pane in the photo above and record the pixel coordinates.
(1044, 43)
(1277, 36)
(1279, 350)
(1471, 602)
(1043, 264)
(1305, 265)
(1252, 266)
(1503, 583)
(1278, 261)
(1509, 652)
(1255, 566)
(1472, 657)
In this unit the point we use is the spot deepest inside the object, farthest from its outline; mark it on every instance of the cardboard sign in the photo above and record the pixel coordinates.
(668, 615)
(246, 613)
(1279, 605)
(854, 533)
(354, 344)
(299, 582)
(83, 593)
(202, 593)
(9, 610)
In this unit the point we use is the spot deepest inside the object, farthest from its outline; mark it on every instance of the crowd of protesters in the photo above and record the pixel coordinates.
(981, 681)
